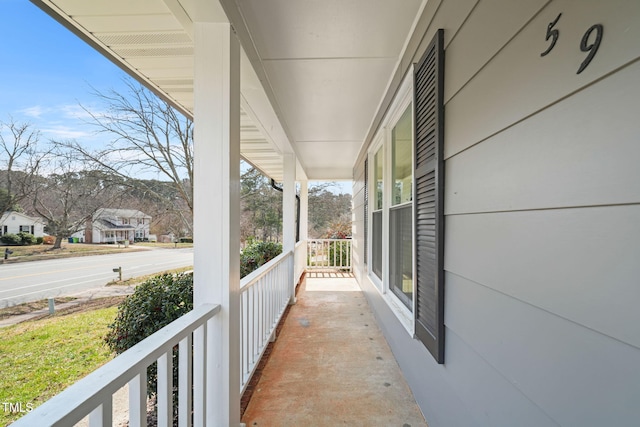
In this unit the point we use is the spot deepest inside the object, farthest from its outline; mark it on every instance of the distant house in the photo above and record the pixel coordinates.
(15, 222)
(115, 225)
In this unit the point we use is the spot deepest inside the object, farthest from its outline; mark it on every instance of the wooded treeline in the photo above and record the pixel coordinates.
(65, 182)
(52, 181)
(261, 207)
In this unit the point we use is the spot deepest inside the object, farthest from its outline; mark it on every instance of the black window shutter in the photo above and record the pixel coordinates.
(429, 200)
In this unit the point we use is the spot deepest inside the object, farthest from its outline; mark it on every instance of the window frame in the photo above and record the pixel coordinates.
(377, 147)
(403, 100)
(403, 108)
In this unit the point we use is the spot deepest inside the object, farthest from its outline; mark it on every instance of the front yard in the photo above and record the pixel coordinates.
(41, 358)
(68, 250)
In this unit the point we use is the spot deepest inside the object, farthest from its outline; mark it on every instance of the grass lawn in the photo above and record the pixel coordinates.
(40, 252)
(41, 358)
(133, 281)
(164, 245)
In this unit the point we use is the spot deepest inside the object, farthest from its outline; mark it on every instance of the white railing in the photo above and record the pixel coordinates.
(93, 394)
(334, 254)
(264, 295)
(300, 260)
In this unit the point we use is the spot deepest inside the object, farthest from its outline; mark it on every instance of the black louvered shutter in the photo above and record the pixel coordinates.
(429, 200)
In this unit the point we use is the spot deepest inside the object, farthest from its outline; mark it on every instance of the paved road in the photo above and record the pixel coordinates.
(31, 281)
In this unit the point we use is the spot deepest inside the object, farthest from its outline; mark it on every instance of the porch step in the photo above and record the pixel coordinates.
(331, 366)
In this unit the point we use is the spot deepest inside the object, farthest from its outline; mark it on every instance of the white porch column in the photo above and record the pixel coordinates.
(216, 214)
(289, 212)
(304, 210)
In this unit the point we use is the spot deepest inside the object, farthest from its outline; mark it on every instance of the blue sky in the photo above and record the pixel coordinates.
(46, 72)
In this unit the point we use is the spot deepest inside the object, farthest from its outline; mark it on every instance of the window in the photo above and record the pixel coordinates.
(376, 216)
(25, 229)
(407, 220)
(400, 214)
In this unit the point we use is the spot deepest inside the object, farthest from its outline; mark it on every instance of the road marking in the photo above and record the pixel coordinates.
(46, 272)
(55, 281)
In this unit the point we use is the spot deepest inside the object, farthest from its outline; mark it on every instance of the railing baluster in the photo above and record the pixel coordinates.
(185, 372)
(329, 254)
(213, 360)
(254, 322)
(102, 416)
(164, 396)
(138, 400)
(199, 370)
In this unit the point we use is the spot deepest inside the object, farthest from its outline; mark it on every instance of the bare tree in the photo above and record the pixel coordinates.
(149, 137)
(68, 198)
(20, 162)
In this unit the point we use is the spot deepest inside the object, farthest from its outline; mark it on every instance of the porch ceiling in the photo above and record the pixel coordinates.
(319, 68)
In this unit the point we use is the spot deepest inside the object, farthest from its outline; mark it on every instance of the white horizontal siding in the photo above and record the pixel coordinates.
(486, 392)
(579, 264)
(582, 151)
(518, 82)
(490, 27)
(575, 375)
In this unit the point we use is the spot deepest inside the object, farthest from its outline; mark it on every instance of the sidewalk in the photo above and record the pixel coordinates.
(82, 298)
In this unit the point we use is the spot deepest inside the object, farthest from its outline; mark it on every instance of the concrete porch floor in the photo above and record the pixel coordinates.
(331, 366)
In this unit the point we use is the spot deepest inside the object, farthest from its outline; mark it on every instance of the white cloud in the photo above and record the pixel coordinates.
(35, 111)
(74, 111)
(65, 132)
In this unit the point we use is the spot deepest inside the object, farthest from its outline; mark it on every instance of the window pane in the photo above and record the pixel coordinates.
(377, 178)
(401, 254)
(401, 173)
(376, 243)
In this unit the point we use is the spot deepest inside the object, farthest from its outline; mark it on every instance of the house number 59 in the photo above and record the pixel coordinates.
(585, 46)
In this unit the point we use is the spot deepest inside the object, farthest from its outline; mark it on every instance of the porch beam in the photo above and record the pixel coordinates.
(216, 212)
(289, 211)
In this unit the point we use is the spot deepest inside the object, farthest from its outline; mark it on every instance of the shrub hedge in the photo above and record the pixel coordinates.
(154, 304)
(21, 238)
(256, 254)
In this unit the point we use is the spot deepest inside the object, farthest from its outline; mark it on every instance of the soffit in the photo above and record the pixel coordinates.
(151, 42)
(323, 66)
(327, 65)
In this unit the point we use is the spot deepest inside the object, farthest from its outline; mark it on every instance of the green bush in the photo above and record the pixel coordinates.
(27, 238)
(256, 254)
(11, 239)
(154, 304)
(39, 240)
(339, 254)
